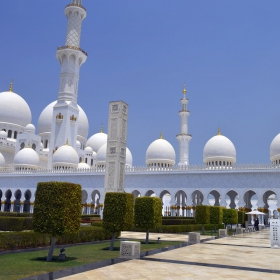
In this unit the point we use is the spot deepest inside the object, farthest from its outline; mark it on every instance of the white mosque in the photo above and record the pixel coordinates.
(62, 151)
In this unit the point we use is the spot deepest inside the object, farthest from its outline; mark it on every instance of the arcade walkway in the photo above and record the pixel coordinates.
(246, 256)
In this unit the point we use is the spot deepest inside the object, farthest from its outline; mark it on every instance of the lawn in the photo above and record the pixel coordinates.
(21, 265)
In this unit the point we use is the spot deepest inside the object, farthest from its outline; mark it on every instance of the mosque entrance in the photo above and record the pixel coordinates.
(214, 198)
(165, 197)
(181, 200)
(197, 198)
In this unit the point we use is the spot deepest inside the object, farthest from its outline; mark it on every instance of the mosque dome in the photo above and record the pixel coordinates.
(83, 165)
(88, 150)
(78, 144)
(30, 128)
(2, 161)
(65, 157)
(3, 134)
(275, 149)
(97, 140)
(26, 158)
(219, 150)
(101, 156)
(160, 153)
(14, 109)
(45, 120)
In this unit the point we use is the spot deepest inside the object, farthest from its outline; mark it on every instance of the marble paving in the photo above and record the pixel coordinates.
(245, 256)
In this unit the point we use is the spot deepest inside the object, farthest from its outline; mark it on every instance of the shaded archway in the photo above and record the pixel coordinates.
(150, 193)
(232, 198)
(197, 198)
(250, 199)
(7, 205)
(165, 197)
(84, 201)
(1, 194)
(136, 193)
(17, 201)
(270, 200)
(27, 197)
(181, 200)
(95, 198)
(214, 198)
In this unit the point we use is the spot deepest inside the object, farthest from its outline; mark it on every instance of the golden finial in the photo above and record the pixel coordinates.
(219, 131)
(28, 145)
(67, 142)
(184, 90)
(101, 129)
(11, 86)
(161, 136)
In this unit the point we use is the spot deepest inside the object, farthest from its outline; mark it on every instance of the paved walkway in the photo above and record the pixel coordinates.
(245, 256)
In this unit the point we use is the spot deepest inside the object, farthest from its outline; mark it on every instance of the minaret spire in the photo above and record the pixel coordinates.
(184, 138)
(70, 57)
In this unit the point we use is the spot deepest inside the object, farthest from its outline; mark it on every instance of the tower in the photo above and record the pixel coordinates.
(71, 57)
(184, 138)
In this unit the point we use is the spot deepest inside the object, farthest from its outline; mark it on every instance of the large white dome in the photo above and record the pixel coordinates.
(101, 156)
(97, 140)
(27, 158)
(160, 153)
(219, 148)
(14, 109)
(65, 156)
(45, 120)
(275, 149)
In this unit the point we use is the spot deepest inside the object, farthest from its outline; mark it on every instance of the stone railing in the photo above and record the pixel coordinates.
(138, 169)
(72, 48)
(76, 5)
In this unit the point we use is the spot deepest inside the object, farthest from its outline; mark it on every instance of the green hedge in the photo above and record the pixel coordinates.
(118, 211)
(202, 214)
(90, 217)
(177, 218)
(15, 214)
(31, 239)
(15, 223)
(97, 224)
(57, 208)
(230, 216)
(180, 228)
(178, 221)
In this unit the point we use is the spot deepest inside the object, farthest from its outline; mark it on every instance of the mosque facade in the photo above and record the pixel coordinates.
(62, 151)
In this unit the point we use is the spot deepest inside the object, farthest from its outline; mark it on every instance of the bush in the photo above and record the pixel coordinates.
(90, 217)
(177, 217)
(31, 239)
(241, 217)
(97, 224)
(230, 216)
(15, 214)
(118, 213)
(216, 214)
(202, 214)
(15, 223)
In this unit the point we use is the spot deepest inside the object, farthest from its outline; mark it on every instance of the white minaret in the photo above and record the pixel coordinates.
(70, 57)
(184, 138)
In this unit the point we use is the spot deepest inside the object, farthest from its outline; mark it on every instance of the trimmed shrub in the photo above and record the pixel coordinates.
(230, 216)
(148, 213)
(90, 217)
(202, 215)
(177, 217)
(15, 223)
(118, 213)
(57, 209)
(241, 217)
(97, 224)
(216, 215)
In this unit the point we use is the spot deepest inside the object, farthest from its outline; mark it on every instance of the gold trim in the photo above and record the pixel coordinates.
(184, 89)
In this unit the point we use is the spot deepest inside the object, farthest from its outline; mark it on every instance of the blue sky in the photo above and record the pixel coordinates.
(227, 52)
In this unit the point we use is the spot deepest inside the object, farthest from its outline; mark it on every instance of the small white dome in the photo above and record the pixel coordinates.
(14, 109)
(97, 140)
(2, 161)
(27, 158)
(45, 120)
(3, 134)
(30, 128)
(160, 152)
(65, 156)
(101, 156)
(94, 154)
(275, 148)
(78, 144)
(219, 148)
(83, 165)
(88, 150)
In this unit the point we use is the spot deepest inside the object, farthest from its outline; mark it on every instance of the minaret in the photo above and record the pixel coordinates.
(184, 138)
(70, 57)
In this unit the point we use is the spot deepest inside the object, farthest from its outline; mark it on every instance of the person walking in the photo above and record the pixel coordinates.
(256, 224)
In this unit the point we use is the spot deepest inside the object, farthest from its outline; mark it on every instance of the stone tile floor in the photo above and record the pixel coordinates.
(245, 256)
